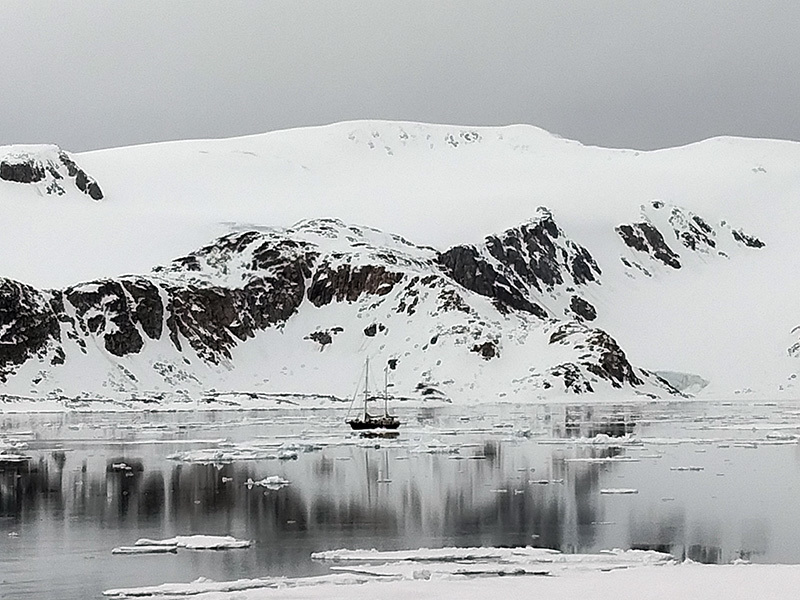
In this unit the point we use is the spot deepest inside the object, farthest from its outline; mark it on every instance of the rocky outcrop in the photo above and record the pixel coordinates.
(750, 241)
(582, 309)
(347, 283)
(794, 349)
(83, 182)
(48, 167)
(671, 235)
(28, 171)
(601, 355)
(467, 267)
(644, 237)
(29, 326)
(516, 267)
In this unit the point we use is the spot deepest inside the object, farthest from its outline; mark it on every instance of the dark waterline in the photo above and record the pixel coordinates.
(514, 477)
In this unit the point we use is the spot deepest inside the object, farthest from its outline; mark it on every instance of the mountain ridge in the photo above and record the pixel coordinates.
(206, 306)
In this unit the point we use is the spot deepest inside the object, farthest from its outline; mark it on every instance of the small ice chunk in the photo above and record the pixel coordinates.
(145, 549)
(273, 482)
(422, 574)
(288, 454)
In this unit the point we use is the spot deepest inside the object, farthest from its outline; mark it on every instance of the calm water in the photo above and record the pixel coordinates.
(504, 475)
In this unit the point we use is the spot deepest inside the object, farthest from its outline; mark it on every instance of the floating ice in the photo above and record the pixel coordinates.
(149, 549)
(273, 482)
(227, 453)
(434, 447)
(449, 560)
(12, 457)
(10, 451)
(603, 459)
(619, 491)
(288, 454)
(189, 542)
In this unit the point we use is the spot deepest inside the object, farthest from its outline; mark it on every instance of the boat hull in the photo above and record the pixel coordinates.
(376, 423)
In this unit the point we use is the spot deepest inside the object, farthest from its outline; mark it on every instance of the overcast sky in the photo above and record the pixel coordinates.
(639, 73)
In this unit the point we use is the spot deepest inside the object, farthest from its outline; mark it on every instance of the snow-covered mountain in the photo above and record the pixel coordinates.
(46, 169)
(646, 273)
(296, 309)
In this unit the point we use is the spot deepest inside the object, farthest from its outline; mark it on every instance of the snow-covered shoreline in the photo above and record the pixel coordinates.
(244, 402)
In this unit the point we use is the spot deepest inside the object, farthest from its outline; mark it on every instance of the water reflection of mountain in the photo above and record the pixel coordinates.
(434, 500)
(498, 490)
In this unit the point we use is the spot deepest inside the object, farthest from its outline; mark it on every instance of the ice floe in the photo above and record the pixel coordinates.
(11, 451)
(230, 453)
(509, 556)
(188, 542)
(273, 482)
(603, 459)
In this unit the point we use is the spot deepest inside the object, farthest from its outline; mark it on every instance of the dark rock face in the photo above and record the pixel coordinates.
(103, 310)
(29, 167)
(206, 317)
(573, 378)
(794, 349)
(691, 231)
(24, 172)
(28, 326)
(694, 233)
(347, 283)
(536, 256)
(582, 308)
(609, 361)
(214, 319)
(324, 337)
(614, 365)
(487, 350)
(646, 238)
(539, 254)
(465, 265)
(750, 241)
(145, 305)
(85, 183)
(372, 330)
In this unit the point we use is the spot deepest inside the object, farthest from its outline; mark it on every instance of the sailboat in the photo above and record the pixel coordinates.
(368, 421)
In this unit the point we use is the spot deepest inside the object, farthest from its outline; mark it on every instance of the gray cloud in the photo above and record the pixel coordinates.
(630, 73)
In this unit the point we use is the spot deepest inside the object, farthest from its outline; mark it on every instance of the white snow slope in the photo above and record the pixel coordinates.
(727, 315)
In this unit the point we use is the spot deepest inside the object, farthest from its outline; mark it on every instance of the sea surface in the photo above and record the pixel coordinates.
(708, 481)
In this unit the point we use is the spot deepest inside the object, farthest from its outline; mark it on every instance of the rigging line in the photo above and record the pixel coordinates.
(355, 393)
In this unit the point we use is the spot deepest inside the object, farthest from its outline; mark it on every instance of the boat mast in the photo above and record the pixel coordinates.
(366, 389)
(386, 391)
